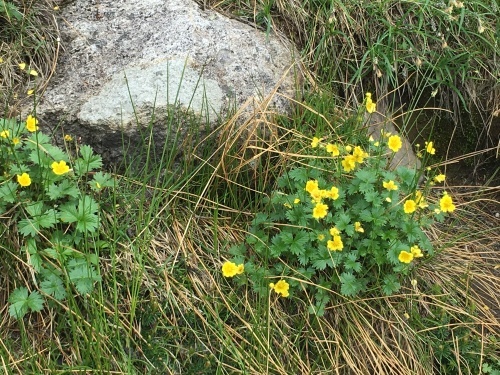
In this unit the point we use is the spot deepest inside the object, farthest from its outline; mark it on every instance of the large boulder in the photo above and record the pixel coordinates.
(123, 59)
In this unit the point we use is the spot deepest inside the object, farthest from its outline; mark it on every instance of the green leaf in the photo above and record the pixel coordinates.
(342, 220)
(39, 157)
(102, 180)
(390, 284)
(260, 218)
(379, 216)
(394, 251)
(407, 176)
(365, 188)
(21, 302)
(278, 246)
(38, 141)
(8, 192)
(320, 264)
(35, 209)
(65, 188)
(10, 10)
(84, 214)
(31, 226)
(88, 162)
(83, 276)
(350, 286)
(367, 175)
(296, 215)
(365, 216)
(350, 262)
(27, 228)
(238, 250)
(53, 286)
(298, 244)
(299, 174)
(374, 198)
(306, 273)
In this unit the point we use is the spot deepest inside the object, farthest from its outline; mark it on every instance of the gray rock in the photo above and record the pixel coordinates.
(122, 59)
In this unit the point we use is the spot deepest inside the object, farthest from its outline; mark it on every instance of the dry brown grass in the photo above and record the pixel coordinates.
(360, 336)
(34, 40)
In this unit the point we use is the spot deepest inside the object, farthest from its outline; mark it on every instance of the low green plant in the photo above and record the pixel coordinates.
(342, 220)
(492, 369)
(10, 10)
(48, 208)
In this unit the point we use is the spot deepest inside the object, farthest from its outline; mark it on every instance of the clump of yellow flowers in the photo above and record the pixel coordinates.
(345, 219)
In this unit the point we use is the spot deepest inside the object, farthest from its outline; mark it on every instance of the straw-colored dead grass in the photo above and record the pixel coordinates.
(363, 336)
(382, 335)
(33, 40)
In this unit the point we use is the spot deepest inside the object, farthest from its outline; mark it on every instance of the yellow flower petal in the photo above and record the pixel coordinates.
(31, 124)
(24, 179)
(60, 168)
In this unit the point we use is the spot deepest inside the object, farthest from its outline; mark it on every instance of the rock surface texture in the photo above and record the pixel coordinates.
(122, 58)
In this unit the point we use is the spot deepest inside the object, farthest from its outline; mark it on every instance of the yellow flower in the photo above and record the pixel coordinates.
(358, 227)
(359, 154)
(334, 231)
(22, 66)
(321, 237)
(349, 163)
(370, 105)
(320, 211)
(68, 138)
(315, 142)
(348, 148)
(30, 92)
(420, 200)
(394, 143)
(31, 124)
(33, 72)
(388, 199)
(446, 203)
(384, 133)
(15, 140)
(390, 185)
(410, 206)
(281, 287)
(430, 148)
(317, 195)
(333, 149)
(60, 168)
(296, 201)
(311, 185)
(437, 211)
(24, 179)
(230, 269)
(333, 193)
(405, 257)
(417, 253)
(336, 244)
(439, 178)
(287, 205)
(4, 134)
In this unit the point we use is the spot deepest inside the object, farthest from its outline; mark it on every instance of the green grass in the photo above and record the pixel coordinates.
(162, 305)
